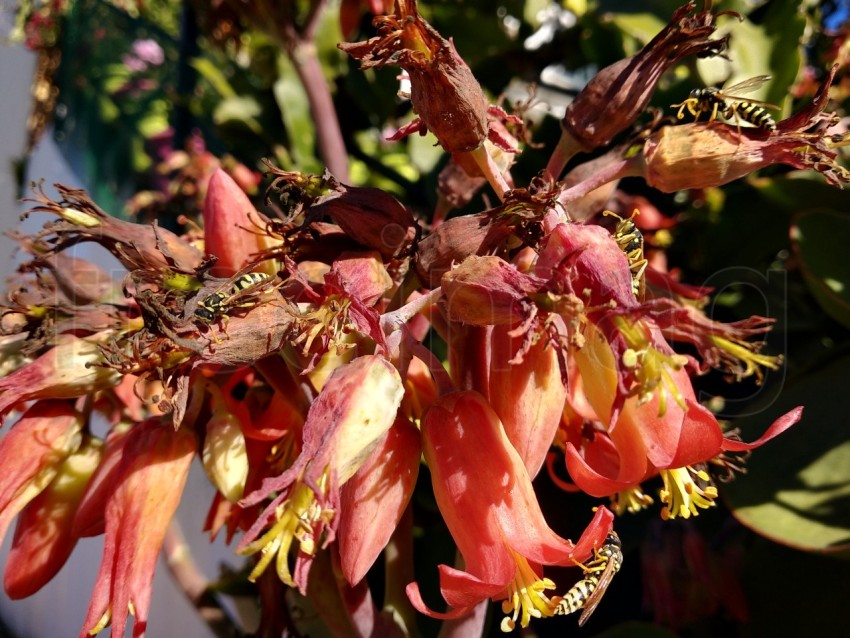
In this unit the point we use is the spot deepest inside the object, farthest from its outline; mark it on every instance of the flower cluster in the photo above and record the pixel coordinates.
(289, 353)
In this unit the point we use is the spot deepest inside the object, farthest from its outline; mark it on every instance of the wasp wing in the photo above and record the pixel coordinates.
(747, 86)
(598, 592)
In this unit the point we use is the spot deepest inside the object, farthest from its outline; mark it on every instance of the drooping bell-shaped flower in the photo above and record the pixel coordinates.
(374, 499)
(666, 432)
(225, 454)
(485, 496)
(32, 453)
(149, 482)
(619, 93)
(90, 516)
(444, 93)
(344, 425)
(638, 388)
(701, 155)
(371, 217)
(44, 537)
(68, 370)
(488, 291)
(528, 395)
(134, 245)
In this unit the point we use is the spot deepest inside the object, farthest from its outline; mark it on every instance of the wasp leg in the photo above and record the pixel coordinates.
(713, 113)
(596, 565)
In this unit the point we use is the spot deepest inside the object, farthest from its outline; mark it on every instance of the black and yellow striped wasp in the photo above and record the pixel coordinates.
(712, 100)
(232, 294)
(630, 240)
(598, 573)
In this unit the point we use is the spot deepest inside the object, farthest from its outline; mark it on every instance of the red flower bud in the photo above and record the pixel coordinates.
(444, 93)
(231, 225)
(484, 291)
(619, 93)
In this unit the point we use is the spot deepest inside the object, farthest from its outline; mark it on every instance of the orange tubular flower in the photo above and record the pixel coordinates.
(89, 518)
(373, 501)
(344, 425)
(149, 482)
(638, 387)
(528, 395)
(65, 371)
(44, 535)
(32, 453)
(486, 498)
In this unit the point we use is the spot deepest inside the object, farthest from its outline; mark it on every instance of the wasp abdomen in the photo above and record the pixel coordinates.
(752, 113)
(220, 301)
(577, 595)
(598, 572)
(630, 241)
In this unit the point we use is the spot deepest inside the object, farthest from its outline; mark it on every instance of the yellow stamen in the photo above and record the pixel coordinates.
(630, 500)
(682, 495)
(735, 353)
(652, 368)
(525, 596)
(296, 519)
(102, 623)
(331, 318)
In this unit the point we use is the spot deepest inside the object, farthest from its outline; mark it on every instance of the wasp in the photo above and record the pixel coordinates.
(598, 573)
(222, 300)
(713, 101)
(630, 240)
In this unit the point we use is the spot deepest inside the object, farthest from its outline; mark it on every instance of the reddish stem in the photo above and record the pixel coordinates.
(194, 585)
(567, 147)
(618, 170)
(331, 146)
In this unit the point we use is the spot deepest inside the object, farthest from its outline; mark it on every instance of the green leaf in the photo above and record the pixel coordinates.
(295, 111)
(797, 190)
(769, 47)
(819, 238)
(214, 75)
(797, 487)
(243, 109)
(640, 26)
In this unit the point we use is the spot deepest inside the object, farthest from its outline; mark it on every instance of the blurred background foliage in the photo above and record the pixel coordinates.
(774, 244)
